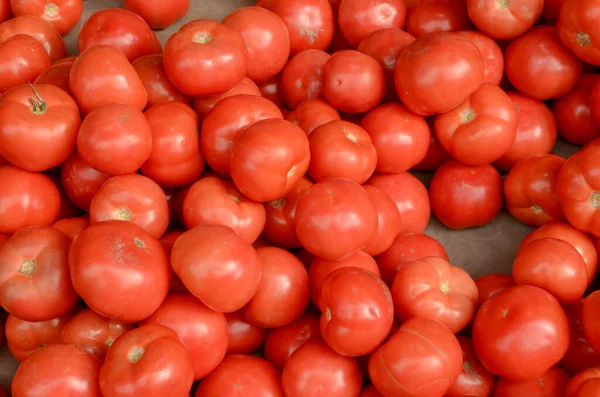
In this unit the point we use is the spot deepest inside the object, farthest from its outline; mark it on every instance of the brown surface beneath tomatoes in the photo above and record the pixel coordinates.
(489, 249)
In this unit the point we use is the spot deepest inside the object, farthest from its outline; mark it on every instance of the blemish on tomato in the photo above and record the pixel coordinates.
(583, 39)
(467, 115)
(202, 38)
(123, 214)
(28, 267)
(135, 354)
(595, 199)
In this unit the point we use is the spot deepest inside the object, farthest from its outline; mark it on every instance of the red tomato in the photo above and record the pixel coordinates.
(283, 292)
(268, 158)
(22, 59)
(370, 391)
(316, 370)
(573, 113)
(580, 355)
(491, 284)
(43, 31)
(106, 257)
(438, 72)
(584, 384)
(205, 104)
(464, 196)
(104, 69)
(578, 187)
(493, 59)
(57, 75)
(536, 131)
(226, 121)
(310, 22)
(359, 18)
(429, 16)
(73, 372)
(71, 226)
(149, 360)
(357, 311)
(212, 261)
(340, 149)
(121, 29)
(536, 53)
(26, 199)
(353, 82)
(591, 325)
(552, 10)
(242, 375)
(267, 40)
(504, 19)
(92, 332)
(243, 337)
(436, 154)
(389, 221)
(578, 31)
(302, 79)
(552, 384)
(63, 14)
(401, 138)
(205, 48)
(37, 119)
(530, 190)
(5, 11)
(273, 91)
(157, 84)
(423, 358)
(474, 380)
(502, 329)
(80, 181)
(313, 113)
(481, 129)
(158, 14)
(115, 139)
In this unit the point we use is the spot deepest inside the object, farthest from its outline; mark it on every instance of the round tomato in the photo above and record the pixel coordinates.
(493, 59)
(71, 226)
(158, 86)
(158, 14)
(436, 154)
(313, 113)
(243, 337)
(489, 285)
(430, 16)
(504, 19)
(389, 221)
(580, 355)
(273, 91)
(359, 18)
(205, 104)
(22, 59)
(474, 380)
(57, 75)
(578, 31)
(591, 325)
(80, 181)
(5, 11)
(301, 78)
(584, 384)
(551, 384)
(43, 31)
(63, 14)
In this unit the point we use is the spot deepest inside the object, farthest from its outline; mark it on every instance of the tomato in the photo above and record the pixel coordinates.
(80, 181)
(38, 126)
(464, 196)
(273, 91)
(580, 355)
(589, 319)
(104, 69)
(358, 18)
(158, 14)
(5, 11)
(158, 86)
(310, 22)
(436, 154)
(502, 327)
(71, 226)
(72, 371)
(504, 19)
(438, 72)
(106, 257)
(389, 221)
(539, 52)
(312, 114)
(530, 190)
(24, 338)
(145, 361)
(212, 261)
(493, 59)
(43, 31)
(316, 370)
(205, 104)
(57, 75)
(268, 158)
(431, 16)
(63, 14)
(491, 284)
(577, 189)
(283, 292)
(552, 384)
(474, 380)
(536, 131)
(224, 123)
(370, 391)
(243, 337)
(577, 31)
(115, 139)
(23, 59)
(551, 10)
(242, 375)
(93, 332)
(353, 82)
(573, 114)
(301, 78)
(584, 384)
(423, 358)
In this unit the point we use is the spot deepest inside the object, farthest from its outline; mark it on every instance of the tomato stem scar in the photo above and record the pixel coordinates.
(536, 209)
(445, 286)
(139, 242)
(51, 10)
(595, 199)
(135, 354)
(467, 115)
(123, 214)
(28, 267)
(39, 106)
(202, 38)
(583, 39)
(502, 3)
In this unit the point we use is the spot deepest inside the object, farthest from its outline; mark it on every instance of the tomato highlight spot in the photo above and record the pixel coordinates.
(135, 354)
(28, 267)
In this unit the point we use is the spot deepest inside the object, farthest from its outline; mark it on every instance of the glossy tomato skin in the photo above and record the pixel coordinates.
(43, 31)
(358, 18)
(438, 55)
(63, 14)
(301, 78)
(389, 221)
(490, 284)
(432, 16)
(584, 384)
(147, 360)
(577, 31)
(312, 113)
(23, 60)
(589, 319)
(423, 358)
(105, 69)
(73, 371)
(464, 196)
(552, 384)
(474, 380)
(539, 52)
(493, 59)
(117, 248)
(580, 355)
(157, 84)
(80, 181)
(502, 346)
(71, 226)
(504, 20)
(436, 154)
(5, 11)
(156, 13)
(57, 75)
(243, 337)
(204, 105)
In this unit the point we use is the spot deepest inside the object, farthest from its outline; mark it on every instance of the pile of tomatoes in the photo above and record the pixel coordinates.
(232, 213)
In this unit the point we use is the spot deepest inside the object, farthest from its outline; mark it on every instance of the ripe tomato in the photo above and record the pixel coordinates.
(359, 18)
(71, 226)
(353, 82)
(5, 11)
(115, 139)
(57, 75)
(423, 358)
(205, 48)
(243, 337)
(63, 14)
(37, 119)
(580, 355)
(552, 10)
(273, 91)
(501, 343)
(212, 261)
(301, 78)
(106, 257)
(157, 84)
(436, 154)
(591, 325)
(539, 52)
(530, 190)
(489, 285)
(552, 384)
(73, 371)
(389, 221)
(430, 16)
(536, 131)
(23, 59)
(464, 196)
(577, 30)
(93, 332)
(158, 14)
(205, 104)
(493, 59)
(283, 292)
(80, 181)
(584, 384)
(149, 360)
(268, 158)
(438, 72)
(474, 380)
(504, 19)
(43, 31)
(312, 113)
(316, 370)
(105, 69)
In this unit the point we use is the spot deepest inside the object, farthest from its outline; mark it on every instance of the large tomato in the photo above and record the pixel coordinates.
(80, 181)
(584, 384)
(580, 355)
(22, 59)
(358, 18)
(474, 380)
(5, 11)
(273, 91)
(203, 105)
(157, 84)
(301, 78)
(63, 14)
(157, 13)
(504, 19)
(430, 16)
(311, 114)
(389, 221)
(578, 31)
(243, 337)
(57, 74)
(43, 31)
(551, 384)
(493, 59)
(71, 226)
(436, 154)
